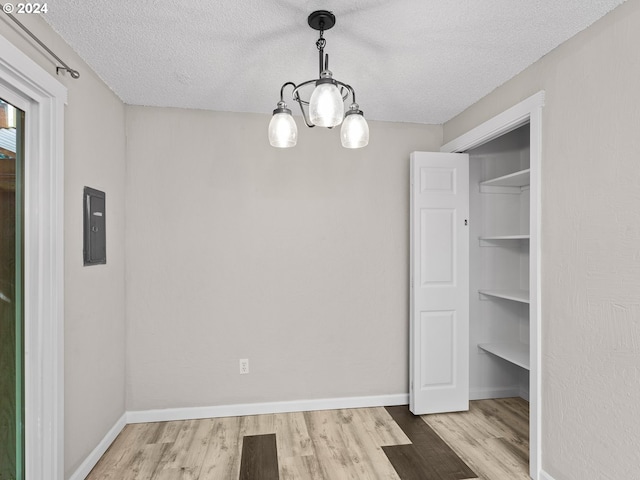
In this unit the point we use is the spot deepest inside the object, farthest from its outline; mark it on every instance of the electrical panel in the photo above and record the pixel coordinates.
(95, 238)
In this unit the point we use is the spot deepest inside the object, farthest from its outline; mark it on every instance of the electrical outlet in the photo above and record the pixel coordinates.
(244, 366)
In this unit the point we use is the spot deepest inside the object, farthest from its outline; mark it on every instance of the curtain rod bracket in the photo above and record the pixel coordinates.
(73, 73)
(64, 68)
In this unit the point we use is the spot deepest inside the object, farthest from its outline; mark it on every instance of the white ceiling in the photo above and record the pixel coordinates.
(418, 61)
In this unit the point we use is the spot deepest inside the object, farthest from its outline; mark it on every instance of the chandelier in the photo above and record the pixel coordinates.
(324, 107)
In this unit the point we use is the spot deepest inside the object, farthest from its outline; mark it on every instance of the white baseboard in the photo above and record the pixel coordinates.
(545, 476)
(91, 460)
(168, 414)
(485, 393)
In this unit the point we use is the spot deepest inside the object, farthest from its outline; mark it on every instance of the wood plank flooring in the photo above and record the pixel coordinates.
(352, 444)
(492, 437)
(259, 457)
(428, 457)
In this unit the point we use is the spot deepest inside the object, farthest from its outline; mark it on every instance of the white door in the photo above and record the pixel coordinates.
(439, 264)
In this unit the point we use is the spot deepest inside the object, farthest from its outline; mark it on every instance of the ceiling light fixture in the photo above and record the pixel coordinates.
(325, 106)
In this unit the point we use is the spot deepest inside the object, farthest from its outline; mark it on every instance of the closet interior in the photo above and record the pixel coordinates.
(499, 267)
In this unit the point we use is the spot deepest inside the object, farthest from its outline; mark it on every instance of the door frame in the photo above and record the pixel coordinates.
(43, 97)
(527, 111)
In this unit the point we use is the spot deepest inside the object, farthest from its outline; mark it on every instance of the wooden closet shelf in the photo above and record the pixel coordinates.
(506, 237)
(512, 183)
(516, 352)
(514, 295)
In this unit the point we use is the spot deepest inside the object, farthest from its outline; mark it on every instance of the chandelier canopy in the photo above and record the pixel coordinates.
(325, 106)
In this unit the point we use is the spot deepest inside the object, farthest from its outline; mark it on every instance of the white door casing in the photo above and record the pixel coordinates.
(439, 281)
(26, 85)
(528, 110)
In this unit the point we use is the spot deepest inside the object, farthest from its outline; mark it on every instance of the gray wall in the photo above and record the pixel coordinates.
(295, 259)
(94, 296)
(590, 244)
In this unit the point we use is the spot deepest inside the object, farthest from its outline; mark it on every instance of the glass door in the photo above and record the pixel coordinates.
(11, 293)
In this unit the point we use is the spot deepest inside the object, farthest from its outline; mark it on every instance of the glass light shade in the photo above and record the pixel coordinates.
(326, 108)
(283, 131)
(355, 131)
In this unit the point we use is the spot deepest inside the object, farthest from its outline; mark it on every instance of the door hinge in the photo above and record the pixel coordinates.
(466, 222)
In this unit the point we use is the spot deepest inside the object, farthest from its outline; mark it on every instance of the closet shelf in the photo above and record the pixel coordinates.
(496, 240)
(506, 237)
(516, 352)
(515, 295)
(513, 183)
(501, 240)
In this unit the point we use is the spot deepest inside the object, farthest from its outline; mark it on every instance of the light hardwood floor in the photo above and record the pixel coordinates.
(492, 437)
(324, 445)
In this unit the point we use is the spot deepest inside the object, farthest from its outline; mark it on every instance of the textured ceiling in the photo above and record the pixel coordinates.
(418, 61)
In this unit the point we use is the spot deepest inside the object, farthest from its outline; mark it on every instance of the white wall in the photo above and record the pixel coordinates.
(295, 259)
(94, 296)
(590, 244)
